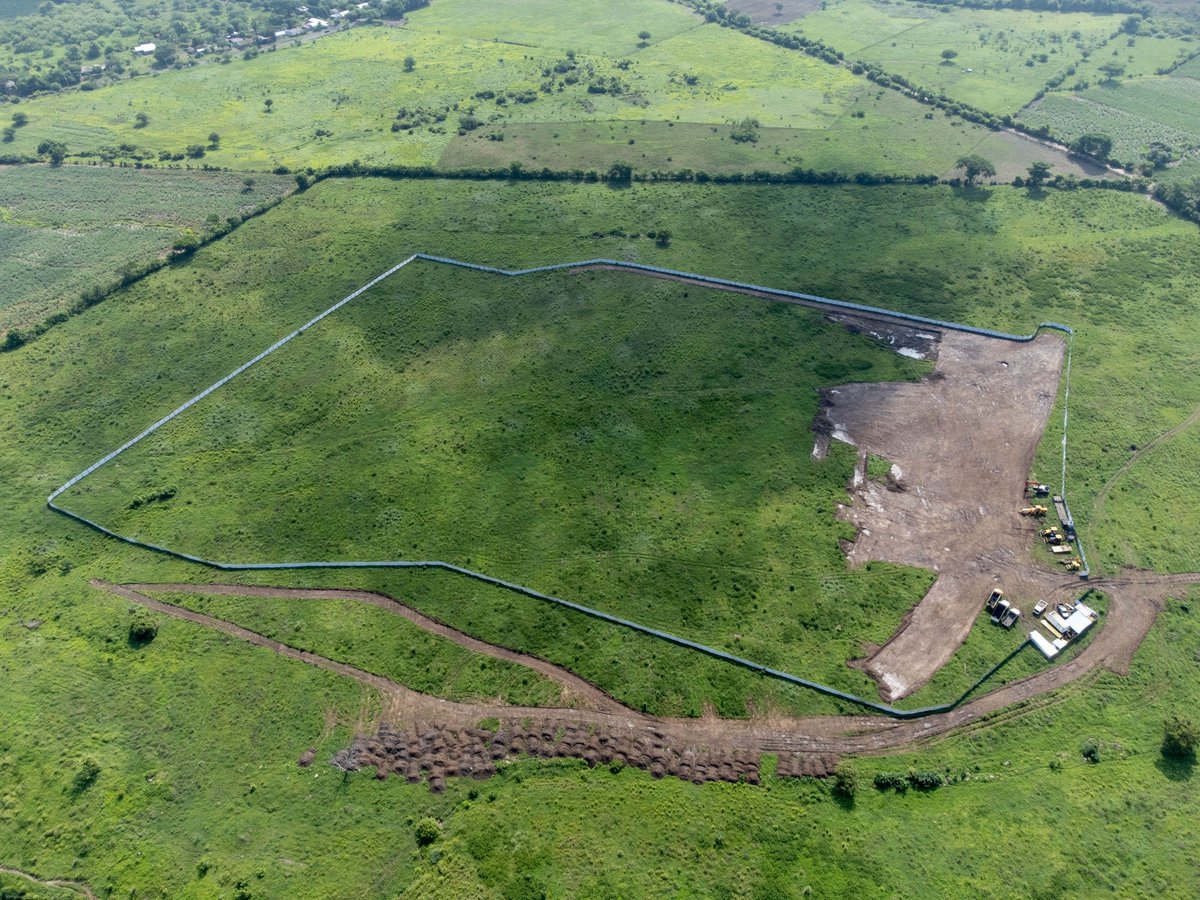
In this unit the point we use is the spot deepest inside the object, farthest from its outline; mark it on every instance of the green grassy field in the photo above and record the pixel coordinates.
(666, 476)
(1142, 56)
(337, 99)
(993, 47)
(1133, 113)
(73, 227)
(196, 735)
(381, 642)
(609, 27)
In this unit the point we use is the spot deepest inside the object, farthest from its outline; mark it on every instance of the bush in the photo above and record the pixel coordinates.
(142, 627)
(926, 781)
(845, 783)
(1090, 749)
(427, 831)
(893, 781)
(1180, 737)
(85, 776)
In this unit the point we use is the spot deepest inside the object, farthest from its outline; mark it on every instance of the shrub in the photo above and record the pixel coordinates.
(1180, 737)
(845, 783)
(427, 831)
(85, 776)
(893, 781)
(926, 781)
(142, 627)
(1090, 749)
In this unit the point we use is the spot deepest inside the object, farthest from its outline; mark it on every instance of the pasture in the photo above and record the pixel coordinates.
(667, 477)
(1002, 57)
(199, 734)
(71, 228)
(347, 97)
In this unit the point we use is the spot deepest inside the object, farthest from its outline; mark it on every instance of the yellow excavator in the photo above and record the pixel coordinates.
(1073, 565)
(1035, 510)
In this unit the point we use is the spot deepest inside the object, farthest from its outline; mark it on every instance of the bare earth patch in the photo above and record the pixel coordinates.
(962, 441)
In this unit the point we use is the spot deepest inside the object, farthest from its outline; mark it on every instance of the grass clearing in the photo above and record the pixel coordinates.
(70, 228)
(609, 27)
(993, 48)
(667, 477)
(380, 642)
(338, 99)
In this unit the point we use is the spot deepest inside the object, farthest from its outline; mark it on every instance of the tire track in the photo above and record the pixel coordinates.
(1104, 492)
(78, 887)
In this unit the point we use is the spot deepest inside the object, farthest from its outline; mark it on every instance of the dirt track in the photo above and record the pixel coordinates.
(77, 886)
(1135, 602)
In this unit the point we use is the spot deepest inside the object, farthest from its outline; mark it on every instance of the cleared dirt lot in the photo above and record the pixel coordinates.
(962, 441)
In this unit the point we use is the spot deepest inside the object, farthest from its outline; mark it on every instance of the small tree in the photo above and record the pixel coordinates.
(141, 120)
(410, 63)
(20, 119)
(9, 135)
(195, 151)
(1039, 173)
(427, 831)
(643, 38)
(214, 141)
(779, 9)
(1112, 71)
(56, 150)
(974, 166)
(1181, 736)
(948, 56)
(268, 103)
(662, 237)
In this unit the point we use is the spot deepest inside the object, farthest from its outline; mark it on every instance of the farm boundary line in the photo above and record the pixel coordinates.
(723, 283)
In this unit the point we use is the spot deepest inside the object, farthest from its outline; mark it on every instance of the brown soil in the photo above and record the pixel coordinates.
(963, 441)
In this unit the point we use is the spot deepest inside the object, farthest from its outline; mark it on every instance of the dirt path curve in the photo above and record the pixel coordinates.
(77, 886)
(576, 691)
(1135, 601)
(1103, 493)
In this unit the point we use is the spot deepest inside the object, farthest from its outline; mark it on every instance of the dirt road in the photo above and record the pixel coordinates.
(1135, 601)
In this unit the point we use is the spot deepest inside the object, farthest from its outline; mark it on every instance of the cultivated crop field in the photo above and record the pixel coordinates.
(993, 48)
(70, 228)
(1133, 113)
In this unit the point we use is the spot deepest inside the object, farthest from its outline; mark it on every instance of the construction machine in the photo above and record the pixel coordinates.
(1036, 489)
(1074, 564)
(1036, 510)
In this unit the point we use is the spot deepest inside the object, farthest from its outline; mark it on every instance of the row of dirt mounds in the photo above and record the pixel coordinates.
(438, 753)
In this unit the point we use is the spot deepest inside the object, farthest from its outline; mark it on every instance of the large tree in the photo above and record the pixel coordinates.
(1180, 737)
(1039, 172)
(974, 166)
(1093, 144)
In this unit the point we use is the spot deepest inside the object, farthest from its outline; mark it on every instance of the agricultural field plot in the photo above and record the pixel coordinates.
(609, 27)
(1134, 114)
(71, 228)
(1141, 56)
(348, 97)
(993, 49)
(666, 475)
(1190, 69)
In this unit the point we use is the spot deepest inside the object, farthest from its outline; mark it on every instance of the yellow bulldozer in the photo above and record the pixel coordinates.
(1074, 564)
(1036, 510)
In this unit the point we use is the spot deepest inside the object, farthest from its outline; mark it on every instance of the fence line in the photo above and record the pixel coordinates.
(812, 299)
